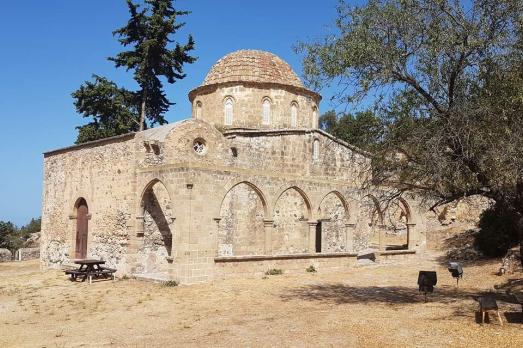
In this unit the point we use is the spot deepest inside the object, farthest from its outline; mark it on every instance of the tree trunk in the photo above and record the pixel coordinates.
(142, 112)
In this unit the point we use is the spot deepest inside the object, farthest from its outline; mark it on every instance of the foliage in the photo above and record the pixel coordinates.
(12, 237)
(498, 231)
(274, 271)
(448, 77)
(311, 269)
(113, 109)
(32, 227)
(170, 283)
(363, 129)
(7, 231)
(153, 54)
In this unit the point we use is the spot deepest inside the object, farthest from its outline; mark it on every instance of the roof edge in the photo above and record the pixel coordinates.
(285, 131)
(92, 143)
(214, 86)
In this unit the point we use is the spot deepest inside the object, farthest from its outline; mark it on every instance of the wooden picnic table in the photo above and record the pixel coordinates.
(90, 268)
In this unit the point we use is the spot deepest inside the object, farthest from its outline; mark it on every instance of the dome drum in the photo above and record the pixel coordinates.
(249, 78)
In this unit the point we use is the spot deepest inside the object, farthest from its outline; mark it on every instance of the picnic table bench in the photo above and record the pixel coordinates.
(488, 303)
(90, 268)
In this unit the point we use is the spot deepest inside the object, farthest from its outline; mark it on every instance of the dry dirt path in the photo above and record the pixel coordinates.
(361, 307)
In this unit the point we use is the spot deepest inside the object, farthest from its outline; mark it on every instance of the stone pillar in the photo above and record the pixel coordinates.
(312, 236)
(412, 237)
(349, 237)
(268, 226)
(217, 220)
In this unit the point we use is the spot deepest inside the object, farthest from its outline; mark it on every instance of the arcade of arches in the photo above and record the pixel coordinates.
(248, 184)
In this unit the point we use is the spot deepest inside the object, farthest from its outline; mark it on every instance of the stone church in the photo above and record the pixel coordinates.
(248, 184)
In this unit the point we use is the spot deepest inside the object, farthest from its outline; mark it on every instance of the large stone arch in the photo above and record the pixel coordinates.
(305, 197)
(155, 249)
(292, 212)
(223, 190)
(241, 223)
(370, 220)
(333, 219)
(396, 223)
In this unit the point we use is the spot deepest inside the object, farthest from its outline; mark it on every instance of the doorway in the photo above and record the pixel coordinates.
(318, 237)
(82, 212)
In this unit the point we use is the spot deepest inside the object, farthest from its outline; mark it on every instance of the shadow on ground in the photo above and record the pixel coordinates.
(394, 295)
(341, 293)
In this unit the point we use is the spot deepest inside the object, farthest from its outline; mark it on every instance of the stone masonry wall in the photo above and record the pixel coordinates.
(247, 107)
(102, 174)
(290, 224)
(263, 199)
(334, 227)
(241, 230)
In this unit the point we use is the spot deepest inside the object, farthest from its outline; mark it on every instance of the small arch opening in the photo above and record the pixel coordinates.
(294, 114)
(198, 111)
(266, 111)
(315, 149)
(228, 111)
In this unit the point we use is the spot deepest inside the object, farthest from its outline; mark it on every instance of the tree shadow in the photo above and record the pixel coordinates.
(393, 295)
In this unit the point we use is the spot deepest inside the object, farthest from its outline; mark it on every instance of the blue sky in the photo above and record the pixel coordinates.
(49, 48)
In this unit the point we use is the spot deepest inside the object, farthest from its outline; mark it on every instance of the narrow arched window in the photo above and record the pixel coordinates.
(228, 109)
(294, 114)
(198, 113)
(314, 117)
(266, 111)
(315, 149)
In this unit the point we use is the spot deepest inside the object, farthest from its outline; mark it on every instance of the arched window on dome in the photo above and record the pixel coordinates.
(315, 149)
(294, 114)
(228, 111)
(198, 111)
(314, 117)
(266, 111)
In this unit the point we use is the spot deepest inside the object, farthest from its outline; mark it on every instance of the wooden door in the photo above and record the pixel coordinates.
(81, 230)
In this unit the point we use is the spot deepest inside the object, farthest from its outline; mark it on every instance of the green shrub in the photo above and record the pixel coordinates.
(170, 283)
(311, 269)
(274, 271)
(498, 231)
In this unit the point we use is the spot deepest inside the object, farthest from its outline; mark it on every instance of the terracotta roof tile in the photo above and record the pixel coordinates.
(252, 66)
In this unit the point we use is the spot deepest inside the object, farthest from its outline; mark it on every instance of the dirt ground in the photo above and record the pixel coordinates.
(371, 306)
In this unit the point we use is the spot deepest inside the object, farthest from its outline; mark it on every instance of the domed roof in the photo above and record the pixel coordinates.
(252, 66)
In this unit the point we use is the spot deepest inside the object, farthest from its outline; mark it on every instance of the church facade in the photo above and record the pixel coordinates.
(249, 183)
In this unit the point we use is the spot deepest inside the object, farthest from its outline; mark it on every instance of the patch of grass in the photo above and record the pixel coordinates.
(170, 283)
(274, 271)
(311, 269)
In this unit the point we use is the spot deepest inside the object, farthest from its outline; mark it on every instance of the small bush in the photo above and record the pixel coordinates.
(170, 283)
(498, 231)
(311, 269)
(274, 271)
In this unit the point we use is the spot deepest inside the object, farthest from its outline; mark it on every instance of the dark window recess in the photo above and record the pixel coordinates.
(156, 149)
(234, 152)
(318, 237)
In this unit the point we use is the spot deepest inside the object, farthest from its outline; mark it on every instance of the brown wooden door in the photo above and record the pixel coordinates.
(81, 230)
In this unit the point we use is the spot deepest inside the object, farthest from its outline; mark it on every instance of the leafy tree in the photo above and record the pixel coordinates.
(12, 237)
(113, 109)
(148, 34)
(32, 227)
(7, 231)
(363, 129)
(449, 80)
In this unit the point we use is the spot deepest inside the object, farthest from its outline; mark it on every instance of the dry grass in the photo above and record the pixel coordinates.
(368, 306)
